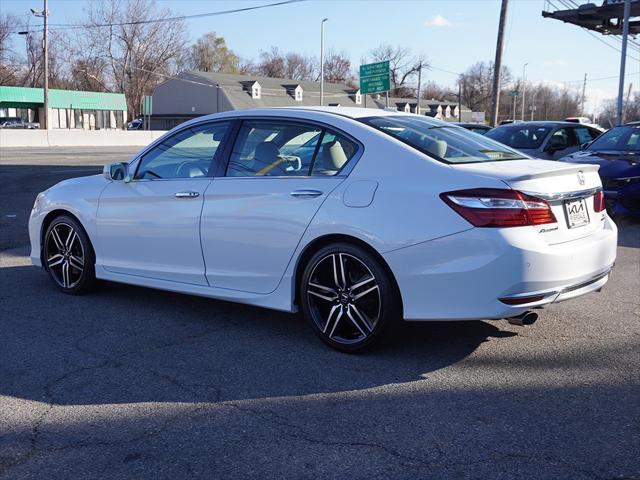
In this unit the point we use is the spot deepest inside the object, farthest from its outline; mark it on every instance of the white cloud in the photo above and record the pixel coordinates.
(438, 21)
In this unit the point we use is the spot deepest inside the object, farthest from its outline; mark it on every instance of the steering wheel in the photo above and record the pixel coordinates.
(186, 170)
(294, 163)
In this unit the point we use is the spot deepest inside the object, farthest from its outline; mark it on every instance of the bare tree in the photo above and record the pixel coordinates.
(211, 54)
(8, 62)
(432, 90)
(299, 67)
(291, 65)
(337, 68)
(271, 64)
(476, 84)
(403, 66)
(138, 54)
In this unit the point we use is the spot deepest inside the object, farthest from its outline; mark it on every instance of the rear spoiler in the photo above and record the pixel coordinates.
(570, 168)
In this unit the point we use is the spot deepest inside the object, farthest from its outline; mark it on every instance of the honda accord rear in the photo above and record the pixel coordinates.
(538, 232)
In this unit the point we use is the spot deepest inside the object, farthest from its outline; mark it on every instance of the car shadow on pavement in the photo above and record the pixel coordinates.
(628, 231)
(126, 344)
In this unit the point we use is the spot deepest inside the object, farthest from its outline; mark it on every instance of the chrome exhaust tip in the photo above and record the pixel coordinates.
(524, 319)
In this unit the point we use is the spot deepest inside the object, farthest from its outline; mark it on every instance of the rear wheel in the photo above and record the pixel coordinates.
(347, 296)
(68, 256)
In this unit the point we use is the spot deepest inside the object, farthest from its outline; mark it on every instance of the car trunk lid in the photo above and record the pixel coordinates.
(568, 188)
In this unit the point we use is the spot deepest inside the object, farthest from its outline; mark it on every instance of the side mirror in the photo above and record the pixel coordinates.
(117, 172)
(586, 145)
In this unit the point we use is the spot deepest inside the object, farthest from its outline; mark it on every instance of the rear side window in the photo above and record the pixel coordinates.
(334, 152)
(276, 148)
(585, 134)
(447, 143)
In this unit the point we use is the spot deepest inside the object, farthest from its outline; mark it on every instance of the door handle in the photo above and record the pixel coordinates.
(187, 194)
(306, 193)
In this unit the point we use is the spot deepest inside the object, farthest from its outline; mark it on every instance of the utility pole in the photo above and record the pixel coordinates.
(322, 60)
(623, 59)
(419, 85)
(45, 52)
(584, 89)
(459, 101)
(626, 102)
(524, 87)
(497, 64)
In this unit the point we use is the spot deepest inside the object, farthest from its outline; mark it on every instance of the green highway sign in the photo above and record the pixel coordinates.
(378, 83)
(514, 93)
(374, 77)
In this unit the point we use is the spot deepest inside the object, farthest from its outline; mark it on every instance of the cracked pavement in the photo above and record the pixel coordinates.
(130, 382)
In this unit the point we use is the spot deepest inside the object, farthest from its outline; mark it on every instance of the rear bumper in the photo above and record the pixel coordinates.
(464, 276)
(559, 294)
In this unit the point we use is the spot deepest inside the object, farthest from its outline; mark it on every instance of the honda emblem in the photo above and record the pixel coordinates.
(581, 177)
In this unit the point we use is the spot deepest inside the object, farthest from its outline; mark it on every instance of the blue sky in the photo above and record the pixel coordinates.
(452, 34)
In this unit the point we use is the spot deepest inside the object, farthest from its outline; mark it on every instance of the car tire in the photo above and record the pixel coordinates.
(348, 297)
(68, 256)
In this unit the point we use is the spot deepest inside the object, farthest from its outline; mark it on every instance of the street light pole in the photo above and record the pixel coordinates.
(524, 87)
(322, 60)
(45, 52)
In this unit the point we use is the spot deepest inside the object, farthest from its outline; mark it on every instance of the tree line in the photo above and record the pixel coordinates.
(113, 50)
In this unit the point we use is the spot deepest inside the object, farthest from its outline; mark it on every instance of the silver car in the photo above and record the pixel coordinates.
(546, 140)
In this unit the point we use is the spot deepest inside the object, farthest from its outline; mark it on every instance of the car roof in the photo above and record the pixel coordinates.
(542, 123)
(354, 113)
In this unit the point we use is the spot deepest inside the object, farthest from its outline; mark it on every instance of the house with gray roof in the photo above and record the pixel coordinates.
(191, 94)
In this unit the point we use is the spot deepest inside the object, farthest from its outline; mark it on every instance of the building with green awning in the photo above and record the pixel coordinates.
(68, 109)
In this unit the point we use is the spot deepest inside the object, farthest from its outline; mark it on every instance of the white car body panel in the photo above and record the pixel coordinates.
(251, 227)
(144, 229)
(248, 240)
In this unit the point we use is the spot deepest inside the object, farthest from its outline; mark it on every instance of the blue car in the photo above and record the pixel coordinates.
(617, 151)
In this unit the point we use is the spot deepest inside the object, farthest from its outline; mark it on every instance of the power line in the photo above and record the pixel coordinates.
(171, 19)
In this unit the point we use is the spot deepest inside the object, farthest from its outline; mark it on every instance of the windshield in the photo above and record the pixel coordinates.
(447, 143)
(624, 138)
(528, 137)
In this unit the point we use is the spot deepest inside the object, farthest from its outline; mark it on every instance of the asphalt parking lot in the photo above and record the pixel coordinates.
(134, 383)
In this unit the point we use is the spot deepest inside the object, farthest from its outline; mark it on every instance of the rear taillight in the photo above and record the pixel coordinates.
(494, 207)
(598, 201)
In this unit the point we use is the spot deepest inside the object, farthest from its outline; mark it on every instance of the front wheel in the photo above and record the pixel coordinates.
(347, 296)
(68, 256)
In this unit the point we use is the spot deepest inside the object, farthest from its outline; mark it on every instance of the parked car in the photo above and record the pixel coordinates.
(585, 121)
(17, 122)
(617, 152)
(135, 124)
(389, 216)
(475, 127)
(546, 140)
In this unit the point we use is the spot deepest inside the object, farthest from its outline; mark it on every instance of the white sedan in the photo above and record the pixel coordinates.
(356, 217)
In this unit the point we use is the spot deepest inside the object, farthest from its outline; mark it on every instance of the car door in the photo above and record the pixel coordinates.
(150, 226)
(279, 172)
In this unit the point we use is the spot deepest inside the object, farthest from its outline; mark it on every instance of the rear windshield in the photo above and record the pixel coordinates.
(447, 143)
(523, 136)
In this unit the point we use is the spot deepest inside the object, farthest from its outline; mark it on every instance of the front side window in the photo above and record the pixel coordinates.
(187, 154)
(447, 143)
(623, 138)
(525, 137)
(287, 149)
(561, 139)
